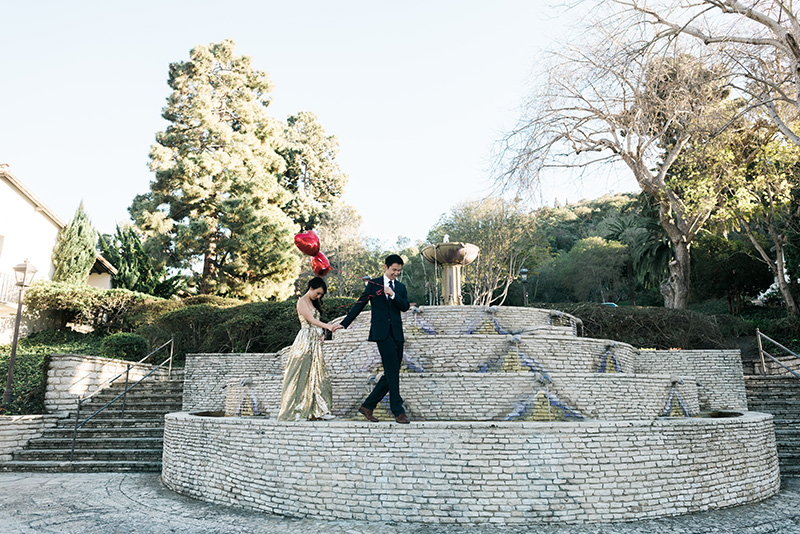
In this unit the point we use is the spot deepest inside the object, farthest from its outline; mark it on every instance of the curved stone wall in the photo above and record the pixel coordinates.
(449, 472)
(469, 320)
(514, 396)
(481, 353)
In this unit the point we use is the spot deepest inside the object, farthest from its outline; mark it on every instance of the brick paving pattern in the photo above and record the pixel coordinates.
(126, 503)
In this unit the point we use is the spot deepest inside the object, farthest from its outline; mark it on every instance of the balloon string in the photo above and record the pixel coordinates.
(358, 300)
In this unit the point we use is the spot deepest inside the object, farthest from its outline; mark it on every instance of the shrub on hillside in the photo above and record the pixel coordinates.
(125, 346)
(214, 300)
(103, 309)
(252, 327)
(33, 360)
(785, 330)
(658, 328)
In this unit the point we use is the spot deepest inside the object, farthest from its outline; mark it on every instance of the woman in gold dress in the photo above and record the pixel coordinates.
(306, 392)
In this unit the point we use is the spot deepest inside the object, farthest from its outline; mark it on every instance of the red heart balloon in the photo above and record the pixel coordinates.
(320, 265)
(308, 243)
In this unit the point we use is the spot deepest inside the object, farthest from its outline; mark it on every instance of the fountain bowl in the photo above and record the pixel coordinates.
(454, 253)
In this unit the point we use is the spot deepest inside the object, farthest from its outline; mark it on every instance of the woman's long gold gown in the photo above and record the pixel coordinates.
(306, 392)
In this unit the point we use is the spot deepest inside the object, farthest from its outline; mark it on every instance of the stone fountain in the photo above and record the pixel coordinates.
(451, 256)
(516, 420)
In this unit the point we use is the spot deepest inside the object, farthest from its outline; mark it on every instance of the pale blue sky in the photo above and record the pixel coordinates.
(417, 93)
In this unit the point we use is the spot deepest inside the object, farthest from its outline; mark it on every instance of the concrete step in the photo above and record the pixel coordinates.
(790, 470)
(142, 389)
(115, 410)
(151, 442)
(99, 422)
(131, 400)
(81, 466)
(130, 413)
(102, 432)
(61, 455)
(786, 446)
(774, 397)
(779, 417)
(764, 397)
(786, 459)
(107, 442)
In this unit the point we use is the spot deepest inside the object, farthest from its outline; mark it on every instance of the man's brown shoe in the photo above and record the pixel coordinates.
(366, 412)
(402, 419)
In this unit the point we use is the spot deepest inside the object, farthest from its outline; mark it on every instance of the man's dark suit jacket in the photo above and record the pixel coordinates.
(385, 312)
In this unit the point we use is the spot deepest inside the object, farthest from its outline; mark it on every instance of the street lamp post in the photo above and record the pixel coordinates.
(523, 276)
(24, 273)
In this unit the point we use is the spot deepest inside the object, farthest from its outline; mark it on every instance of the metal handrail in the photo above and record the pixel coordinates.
(762, 352)
(124, 394)
(103, 385)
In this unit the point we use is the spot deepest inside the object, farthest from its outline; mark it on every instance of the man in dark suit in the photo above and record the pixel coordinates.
(388, 298)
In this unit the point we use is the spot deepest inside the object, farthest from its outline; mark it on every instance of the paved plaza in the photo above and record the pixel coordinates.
(122, 503)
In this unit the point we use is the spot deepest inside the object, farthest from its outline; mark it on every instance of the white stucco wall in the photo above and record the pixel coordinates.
(26, 234)
(28, 231)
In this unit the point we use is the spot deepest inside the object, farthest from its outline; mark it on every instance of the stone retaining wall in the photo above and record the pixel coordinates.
(462, 396)
(787, 366)
(481, 353)
(207, 374)
(467, 473)
(71, 376)
(17, 430)
(719, 375)
(716, 374)
(468, 320)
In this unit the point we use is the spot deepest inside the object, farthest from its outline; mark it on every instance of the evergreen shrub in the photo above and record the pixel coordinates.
(33, 360)
(107, 310)
(657, 328)
(266, 326)
(125, 346)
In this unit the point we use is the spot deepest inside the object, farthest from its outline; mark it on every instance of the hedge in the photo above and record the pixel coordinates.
(107, 310)
(208, 328)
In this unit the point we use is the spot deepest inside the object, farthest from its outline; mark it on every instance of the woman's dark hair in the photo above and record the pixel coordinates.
(316, 283)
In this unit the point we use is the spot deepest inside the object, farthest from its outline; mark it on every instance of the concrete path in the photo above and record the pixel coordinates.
(121, 503)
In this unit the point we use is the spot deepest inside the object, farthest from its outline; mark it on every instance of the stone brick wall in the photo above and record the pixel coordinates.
(787, 366)
(504, 473)
(467, 320)
(207, 375)
(463, 396)
(17, 430)
(71, 376)
(719, 376)
(481, 353)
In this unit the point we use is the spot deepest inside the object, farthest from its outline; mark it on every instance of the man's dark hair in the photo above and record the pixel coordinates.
(391, 259)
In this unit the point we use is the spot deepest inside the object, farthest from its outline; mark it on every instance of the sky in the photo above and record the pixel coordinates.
(417, 93)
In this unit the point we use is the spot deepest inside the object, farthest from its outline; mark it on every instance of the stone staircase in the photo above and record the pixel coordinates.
(779, 396)
(108, 442)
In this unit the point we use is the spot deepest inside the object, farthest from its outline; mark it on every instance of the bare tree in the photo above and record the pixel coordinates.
(620, 99)
(758, 39)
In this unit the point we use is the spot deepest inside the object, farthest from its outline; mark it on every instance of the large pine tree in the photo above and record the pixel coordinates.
(74, 253)
(312, 173)
(215, 205)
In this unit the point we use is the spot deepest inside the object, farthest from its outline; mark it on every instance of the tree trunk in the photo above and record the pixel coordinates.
(631, 284)
(676, 288)
(780, 275)
(776, 265)
(209, 266)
